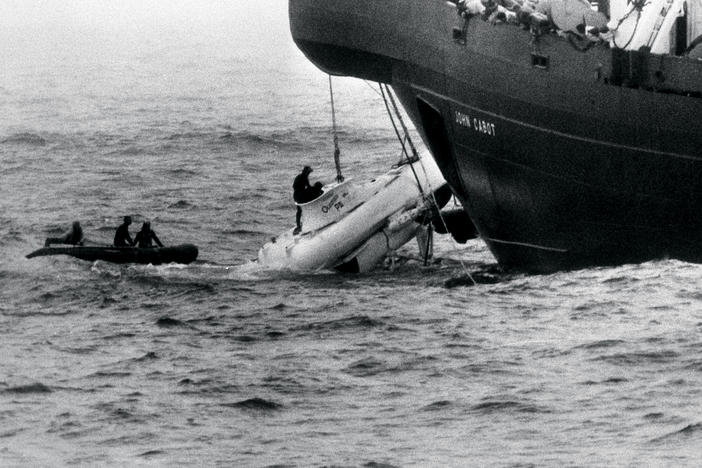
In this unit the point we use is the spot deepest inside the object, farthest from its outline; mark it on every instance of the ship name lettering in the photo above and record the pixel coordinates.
(462, 119)
(482, 126)
(479, 125)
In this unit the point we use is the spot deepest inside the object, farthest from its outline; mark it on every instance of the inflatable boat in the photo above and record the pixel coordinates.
(184, 253)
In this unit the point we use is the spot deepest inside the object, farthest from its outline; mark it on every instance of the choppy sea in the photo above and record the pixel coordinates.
(197, 117)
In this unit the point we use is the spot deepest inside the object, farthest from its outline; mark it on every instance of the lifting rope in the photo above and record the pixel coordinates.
(394, 126)
(415, 158)
(337, 152)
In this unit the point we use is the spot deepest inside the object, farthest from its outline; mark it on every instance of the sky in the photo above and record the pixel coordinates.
(138, 13)
(47, 29)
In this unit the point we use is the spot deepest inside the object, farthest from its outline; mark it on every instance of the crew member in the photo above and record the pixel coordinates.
(303, 192)
(122, 237)
(74, 237)
(145, 236)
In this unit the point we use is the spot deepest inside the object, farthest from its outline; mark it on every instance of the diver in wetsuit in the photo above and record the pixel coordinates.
(122, 237)
(145, 236)
(73, 237)
(303, 192)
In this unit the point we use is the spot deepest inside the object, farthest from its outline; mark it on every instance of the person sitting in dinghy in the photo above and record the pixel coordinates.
(303, 192)
(73, 237)
(145, 236)
(122, 237)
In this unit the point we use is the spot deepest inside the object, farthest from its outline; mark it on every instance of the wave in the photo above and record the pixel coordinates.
(255, 404)
(371, 366)
(611, 380)
(600, 344)
(297, 138)
(24, 138)
(353, 322)
(366, 367)
(166, 322)
(188, 136)
(129, 440)
(10, 433)
(243, 232)
(491, 367)
(508, 406)
(37, 387)
(694, 365)
(244, 338)
(151, 453)
(475, 278)
(107, 374)
(146, 357)
(119, 336)
(181, 204)
(691, 430)
(375, 464)
(639, 357)
(301, 137)
(438, 405)
(206, 386)
(78, 349)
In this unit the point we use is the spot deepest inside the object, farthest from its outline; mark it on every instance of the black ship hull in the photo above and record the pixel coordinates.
(562, 158)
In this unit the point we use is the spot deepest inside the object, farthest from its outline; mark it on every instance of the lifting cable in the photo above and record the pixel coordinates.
(337, 152)
(394, 126)
(415, 158)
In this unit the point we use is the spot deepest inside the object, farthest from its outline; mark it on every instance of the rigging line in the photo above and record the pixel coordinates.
(392, 121)
(402, 122)
(337, 152)
(416, 156)
(371, 87)
(431, 196)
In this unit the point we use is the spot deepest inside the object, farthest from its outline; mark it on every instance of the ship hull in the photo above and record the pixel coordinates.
(557, 165)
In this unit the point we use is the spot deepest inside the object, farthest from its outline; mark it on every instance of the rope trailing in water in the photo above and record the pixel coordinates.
(337, 152)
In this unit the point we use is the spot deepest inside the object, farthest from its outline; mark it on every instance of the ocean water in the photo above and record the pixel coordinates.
(197, 116)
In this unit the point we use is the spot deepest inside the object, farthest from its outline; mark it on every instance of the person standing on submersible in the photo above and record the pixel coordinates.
(303, 192)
